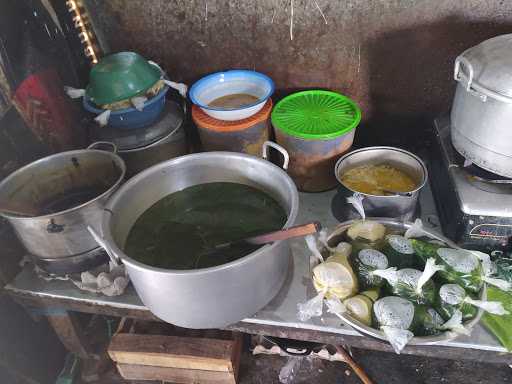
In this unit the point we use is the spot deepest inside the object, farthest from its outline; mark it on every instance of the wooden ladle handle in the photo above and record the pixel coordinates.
(288, 233)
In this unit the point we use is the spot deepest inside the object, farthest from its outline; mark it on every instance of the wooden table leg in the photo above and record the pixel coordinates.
(70, 332)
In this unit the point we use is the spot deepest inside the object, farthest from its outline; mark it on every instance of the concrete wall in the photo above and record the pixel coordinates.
(393, 56)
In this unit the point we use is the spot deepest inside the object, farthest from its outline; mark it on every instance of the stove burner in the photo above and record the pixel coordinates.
(474, 205)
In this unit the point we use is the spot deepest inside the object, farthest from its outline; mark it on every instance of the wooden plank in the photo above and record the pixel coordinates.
(70, 333)
(175, 375)
(172, 351)
(237, 352)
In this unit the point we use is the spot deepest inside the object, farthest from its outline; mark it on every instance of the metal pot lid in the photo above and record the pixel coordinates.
(485, 68)
(172, 117)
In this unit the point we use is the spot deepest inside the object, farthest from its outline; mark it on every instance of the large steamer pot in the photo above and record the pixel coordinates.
(210, 297)
(338, 235)
(482, 107)
(53, 179)
(398, 205)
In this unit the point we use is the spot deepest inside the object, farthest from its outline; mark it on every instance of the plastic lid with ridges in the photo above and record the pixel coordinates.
(316, 115)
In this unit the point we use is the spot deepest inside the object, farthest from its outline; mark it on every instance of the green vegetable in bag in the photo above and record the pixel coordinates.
(461, 267)
(453, 297)
(365, 262)
(425, 250)
(400, 252)
(412, 284)
(406, 286)
(427, 321)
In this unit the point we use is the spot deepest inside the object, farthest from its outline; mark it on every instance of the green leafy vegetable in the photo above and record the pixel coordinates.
(500, 326)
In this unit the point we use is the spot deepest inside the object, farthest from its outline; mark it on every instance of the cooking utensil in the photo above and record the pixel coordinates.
(398, 204)
(210, 297)
(219, 84)
(120, 76)
(283, 234)
(59, 178)
(338, 235)
(482, 107)
(316, 128)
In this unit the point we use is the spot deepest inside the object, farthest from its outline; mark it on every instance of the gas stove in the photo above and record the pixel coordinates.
(473, 213)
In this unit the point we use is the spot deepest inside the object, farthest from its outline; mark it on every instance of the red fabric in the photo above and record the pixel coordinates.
(47, 110)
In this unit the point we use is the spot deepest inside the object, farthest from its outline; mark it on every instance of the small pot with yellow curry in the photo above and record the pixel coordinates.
(388, 178)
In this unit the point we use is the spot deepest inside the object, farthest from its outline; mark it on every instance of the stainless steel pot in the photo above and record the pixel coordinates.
(62, 176)
(482, 107)
(211, 297)
(168, 147)
(337, 236)
(399, 205)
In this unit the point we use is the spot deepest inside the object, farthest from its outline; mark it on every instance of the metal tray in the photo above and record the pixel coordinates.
(335, 238)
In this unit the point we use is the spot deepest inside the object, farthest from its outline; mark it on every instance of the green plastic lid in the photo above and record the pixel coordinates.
(316, 115)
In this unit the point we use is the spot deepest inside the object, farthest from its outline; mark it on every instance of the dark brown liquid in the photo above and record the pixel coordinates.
(71, 199)
(236, 100)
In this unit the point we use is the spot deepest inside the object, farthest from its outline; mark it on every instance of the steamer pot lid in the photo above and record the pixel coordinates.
(491, 61)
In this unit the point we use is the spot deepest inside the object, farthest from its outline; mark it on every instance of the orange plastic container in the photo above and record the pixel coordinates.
(246, 136)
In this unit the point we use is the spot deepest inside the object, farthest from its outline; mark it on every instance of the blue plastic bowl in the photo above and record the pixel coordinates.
(219, 84)
(131, 118)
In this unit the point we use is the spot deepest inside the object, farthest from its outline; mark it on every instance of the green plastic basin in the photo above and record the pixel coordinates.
(120, 76)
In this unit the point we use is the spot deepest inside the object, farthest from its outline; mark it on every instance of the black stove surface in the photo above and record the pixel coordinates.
(473, 213)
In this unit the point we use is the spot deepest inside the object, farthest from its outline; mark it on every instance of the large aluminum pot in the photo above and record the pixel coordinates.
(399, 205)
(210, 297)
(87, 174)
(482, 107)
(338, 235)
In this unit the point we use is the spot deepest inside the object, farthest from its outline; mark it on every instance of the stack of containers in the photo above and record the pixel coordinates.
(242, 127)
(128, 95)
(316, 128)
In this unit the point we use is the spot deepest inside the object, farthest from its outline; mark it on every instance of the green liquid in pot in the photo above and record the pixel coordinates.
(177, 231)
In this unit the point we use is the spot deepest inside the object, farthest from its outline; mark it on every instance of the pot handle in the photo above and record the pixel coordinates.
(456, 72)
(98, 145)
(99, 239)
(277, 147)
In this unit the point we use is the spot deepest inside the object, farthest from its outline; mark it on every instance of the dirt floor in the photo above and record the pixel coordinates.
(383, 368)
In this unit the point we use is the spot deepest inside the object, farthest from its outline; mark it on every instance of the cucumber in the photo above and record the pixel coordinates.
(360, 306)
(366, 261)
(400, 252)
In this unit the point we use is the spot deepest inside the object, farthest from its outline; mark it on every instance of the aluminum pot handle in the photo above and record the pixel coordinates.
(456, 72)
(99, 144)
(99, 239)
(277, 147)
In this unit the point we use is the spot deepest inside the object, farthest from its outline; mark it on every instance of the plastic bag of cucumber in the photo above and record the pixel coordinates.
(404, 284)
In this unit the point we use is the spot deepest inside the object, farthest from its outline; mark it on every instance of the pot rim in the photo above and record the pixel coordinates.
(108, 213)
(366, 149)
(155, 143)
(120, 162)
